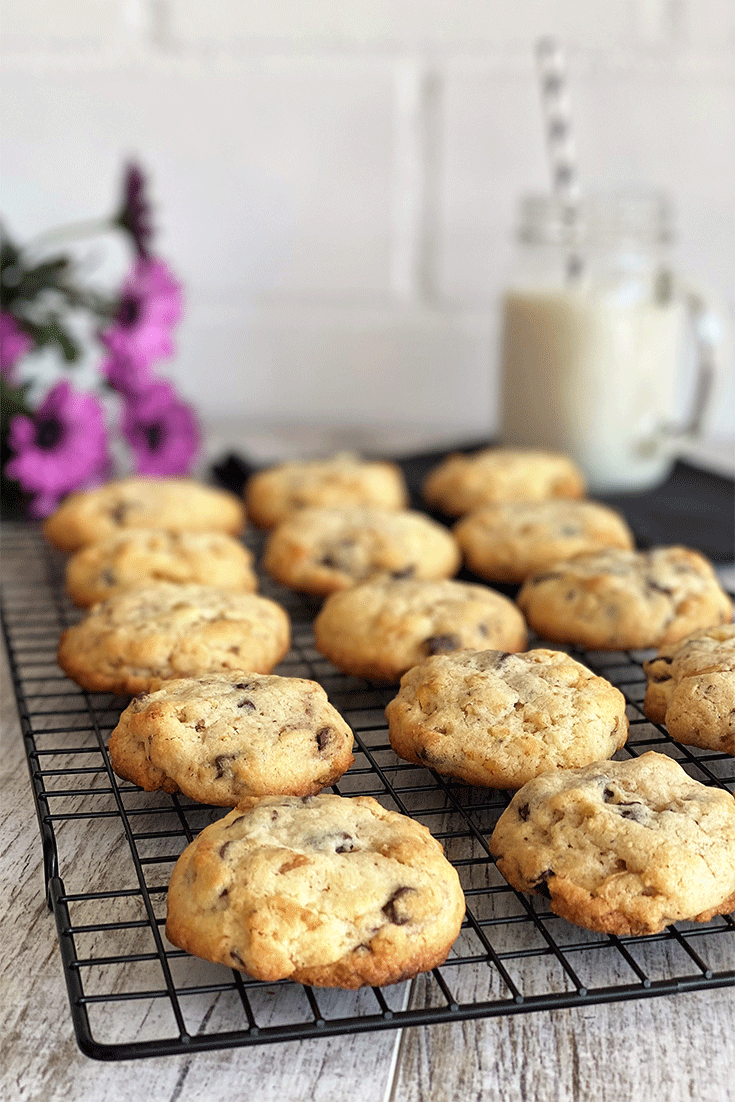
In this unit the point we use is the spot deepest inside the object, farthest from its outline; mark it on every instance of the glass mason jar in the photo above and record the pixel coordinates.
(593, 339)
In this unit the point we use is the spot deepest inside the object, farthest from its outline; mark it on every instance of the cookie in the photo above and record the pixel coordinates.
(342, 479)
(176, 504)
(691, 688)
(95, 572)
(507, 541)
(498, 720)
(466, 481)
(324, 890)
(225, 736)
(165, 630)
(322, 550)
(612, 600)
(379, 629)
(624, 847)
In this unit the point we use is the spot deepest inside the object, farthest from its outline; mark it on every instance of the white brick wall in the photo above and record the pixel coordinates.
(337, 182)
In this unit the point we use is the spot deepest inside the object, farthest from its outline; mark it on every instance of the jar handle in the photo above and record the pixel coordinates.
(707, 333)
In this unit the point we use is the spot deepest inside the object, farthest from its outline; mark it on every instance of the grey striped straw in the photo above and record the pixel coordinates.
(560, 140)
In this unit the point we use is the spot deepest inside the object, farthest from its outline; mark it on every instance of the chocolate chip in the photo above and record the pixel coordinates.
(608, 795)
(107, 577)
(406, 572)
(657, 588)
(237, 957)
(323, 738)
(537, 579)
(250, 685)
(239, 819)
(219, 762)
(523, 812)
(632, 811)
(347, 844)
(440, 644)
(119, 512)
(223, 848)
(540, 887)
(224, 892)
(390, 910)
(247, 705)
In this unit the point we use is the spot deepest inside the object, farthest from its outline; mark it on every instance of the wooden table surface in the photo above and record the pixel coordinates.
(678, 1048)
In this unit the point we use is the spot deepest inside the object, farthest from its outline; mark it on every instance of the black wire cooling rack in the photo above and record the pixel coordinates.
(109, 849)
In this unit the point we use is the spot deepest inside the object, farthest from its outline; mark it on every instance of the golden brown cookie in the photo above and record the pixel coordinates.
(325, 890)
(379, 629)
(691, 688)
(341, 479)
(321, 550)
(497, 720)
(223, 736)
(622, 847)
(466, 481)
(163, 630)
(507, 541)
(146, 554)
(177, 504)
(612, 600)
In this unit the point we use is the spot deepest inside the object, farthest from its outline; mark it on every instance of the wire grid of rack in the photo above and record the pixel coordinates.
(109, 849)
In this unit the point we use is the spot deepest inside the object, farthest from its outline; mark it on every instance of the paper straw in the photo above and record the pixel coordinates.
(560, 141)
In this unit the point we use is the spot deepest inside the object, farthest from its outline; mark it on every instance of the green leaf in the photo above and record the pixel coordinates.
(9, 253)
(43, 277)
(14, 400)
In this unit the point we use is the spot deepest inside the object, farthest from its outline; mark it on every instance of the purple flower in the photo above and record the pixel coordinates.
(162, 431)
(62, 448)
(14, 344)
(149, 307)
(135, 213)
(127, 375)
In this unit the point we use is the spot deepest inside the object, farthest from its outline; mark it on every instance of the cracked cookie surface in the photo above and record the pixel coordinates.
(342, 479)
(97, 571)
(226, 736)
(325, 890)
(622, 847)
(176, 504)
(498, 720)
(380, 629)
(322, 550)
(464, 481)
(610, 600)
(691, 689)
(166, 630)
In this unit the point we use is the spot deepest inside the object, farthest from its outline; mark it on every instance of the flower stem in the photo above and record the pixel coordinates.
(89, 228)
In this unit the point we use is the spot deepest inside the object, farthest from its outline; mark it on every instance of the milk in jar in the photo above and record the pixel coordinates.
(590, 365)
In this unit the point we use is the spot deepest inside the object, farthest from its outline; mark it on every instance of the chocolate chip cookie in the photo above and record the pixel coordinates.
(325, 890)
(177, 504)
(379, 629)
(95, 572)
(507, 541)
(612, 600)
(342, 479)
(322, 550)
(691, 688)
(221, 737)
(622, 847)
(466, 481)
(497, 720)
(164, 630)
